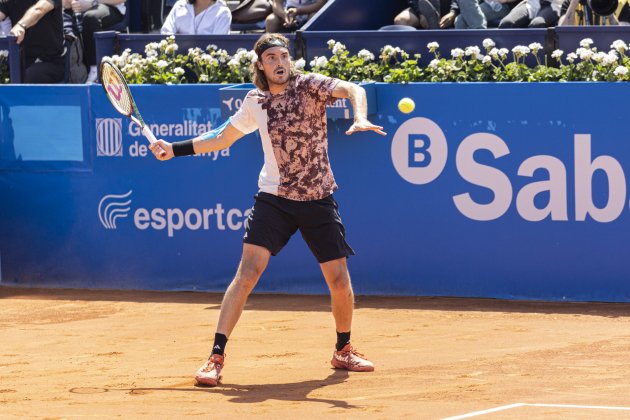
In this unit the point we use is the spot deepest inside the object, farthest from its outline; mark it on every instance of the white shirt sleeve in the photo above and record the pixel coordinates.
(168, 27)
(244, 120)
(223, 23)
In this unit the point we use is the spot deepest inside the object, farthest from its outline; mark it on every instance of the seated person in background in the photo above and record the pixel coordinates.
(198, 17)
(5, 27)
(533, 14)
(595, 12)
(292, 15)
(421, 14)
(96, 16)
(470, 15)
(39, 30)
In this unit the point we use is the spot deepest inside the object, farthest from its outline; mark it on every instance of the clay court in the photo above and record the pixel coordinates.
(130, 354)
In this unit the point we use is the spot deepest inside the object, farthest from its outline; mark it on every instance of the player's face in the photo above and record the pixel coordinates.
(276, 64)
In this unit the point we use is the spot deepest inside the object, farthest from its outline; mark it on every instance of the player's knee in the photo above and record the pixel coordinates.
(339, 283)
(249, 275)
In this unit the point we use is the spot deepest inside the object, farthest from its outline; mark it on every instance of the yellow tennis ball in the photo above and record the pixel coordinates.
(406, 105)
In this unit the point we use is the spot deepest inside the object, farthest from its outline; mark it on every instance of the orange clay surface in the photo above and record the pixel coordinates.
(130, 354)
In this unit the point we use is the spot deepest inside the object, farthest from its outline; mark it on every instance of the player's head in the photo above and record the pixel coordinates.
(274, 65)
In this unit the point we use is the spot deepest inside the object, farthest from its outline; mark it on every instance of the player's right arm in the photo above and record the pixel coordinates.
(163, 150)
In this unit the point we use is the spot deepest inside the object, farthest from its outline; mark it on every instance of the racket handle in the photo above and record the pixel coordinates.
(148, 134)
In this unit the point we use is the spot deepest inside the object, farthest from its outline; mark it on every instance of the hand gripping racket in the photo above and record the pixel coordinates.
(119, 95)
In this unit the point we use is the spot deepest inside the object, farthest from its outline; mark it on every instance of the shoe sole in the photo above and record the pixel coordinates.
(207, 382)
(338, 365)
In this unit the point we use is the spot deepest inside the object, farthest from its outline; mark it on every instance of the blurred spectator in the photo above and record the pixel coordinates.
(96, 16)
(198, 17)
(470, 15)
(421, 14)
(533, 14)
(594, 12)
(38, 30)
(292, 14)
(5, 27)
(76, 71)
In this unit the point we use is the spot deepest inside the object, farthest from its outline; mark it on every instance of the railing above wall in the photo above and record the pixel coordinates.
(15, 69)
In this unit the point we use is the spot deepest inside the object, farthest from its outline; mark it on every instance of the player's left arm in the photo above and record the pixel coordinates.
(358, 99)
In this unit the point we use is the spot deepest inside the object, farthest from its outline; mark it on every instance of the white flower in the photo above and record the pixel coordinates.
(178, 71)
(432, 46)
(387, 51)
(594, 75)
(494, 53)
(586, 42)
(535, 47)
(203, 78)
(610, 59)
(434, 64)
(486, 60)
(571, 57)
(503, 52)
(584, 54)
(620, 71)
(365, 55)
(488, 44)
(299, 64)
(599, 57)
(619, 45)
(338, 48)
(457, 52)
(161, 64)
(387, 79)
(321, 61)
(331, 43)
(233, 63)
(557, 54)
(4, 53)
(474, 51)
(212, 47)
(520, 51)
(171, 49)
(252, 56)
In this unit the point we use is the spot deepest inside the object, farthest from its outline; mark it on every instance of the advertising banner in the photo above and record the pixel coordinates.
(488, 190)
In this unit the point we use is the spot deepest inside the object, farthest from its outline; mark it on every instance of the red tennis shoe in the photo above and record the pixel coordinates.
(350, 359)
(210, 373)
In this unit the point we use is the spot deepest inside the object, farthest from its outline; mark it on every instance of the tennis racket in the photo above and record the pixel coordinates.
(119, 95)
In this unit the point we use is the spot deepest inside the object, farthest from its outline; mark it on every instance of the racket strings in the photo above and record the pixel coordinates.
(116, 90)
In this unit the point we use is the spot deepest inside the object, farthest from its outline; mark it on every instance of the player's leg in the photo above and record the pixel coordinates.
(253, 263)
(320, 223)
(342, 302)
(268, 229)
(341, 295)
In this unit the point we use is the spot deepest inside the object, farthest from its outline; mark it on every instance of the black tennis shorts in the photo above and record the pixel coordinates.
(274, 220)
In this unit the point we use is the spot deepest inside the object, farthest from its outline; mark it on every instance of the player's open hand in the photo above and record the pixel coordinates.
(365, 125)
(162, 150)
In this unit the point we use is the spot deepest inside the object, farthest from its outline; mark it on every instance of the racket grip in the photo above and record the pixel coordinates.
(148, 134)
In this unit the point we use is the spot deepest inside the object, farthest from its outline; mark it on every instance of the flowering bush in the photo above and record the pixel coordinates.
(4, 66)
(162, 63)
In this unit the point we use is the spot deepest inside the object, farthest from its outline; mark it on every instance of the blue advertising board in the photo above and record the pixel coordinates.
(488, 190)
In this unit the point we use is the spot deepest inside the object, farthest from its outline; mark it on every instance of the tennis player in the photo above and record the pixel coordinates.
(296, 185)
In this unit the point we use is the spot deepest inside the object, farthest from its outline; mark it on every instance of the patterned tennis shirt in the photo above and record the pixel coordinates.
(292, 126)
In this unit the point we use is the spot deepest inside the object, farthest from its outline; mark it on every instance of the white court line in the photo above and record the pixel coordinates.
(516, 405)
(482, 412)
(596, 407)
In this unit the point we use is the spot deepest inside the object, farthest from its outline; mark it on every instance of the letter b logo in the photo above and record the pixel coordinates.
(419, 150)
